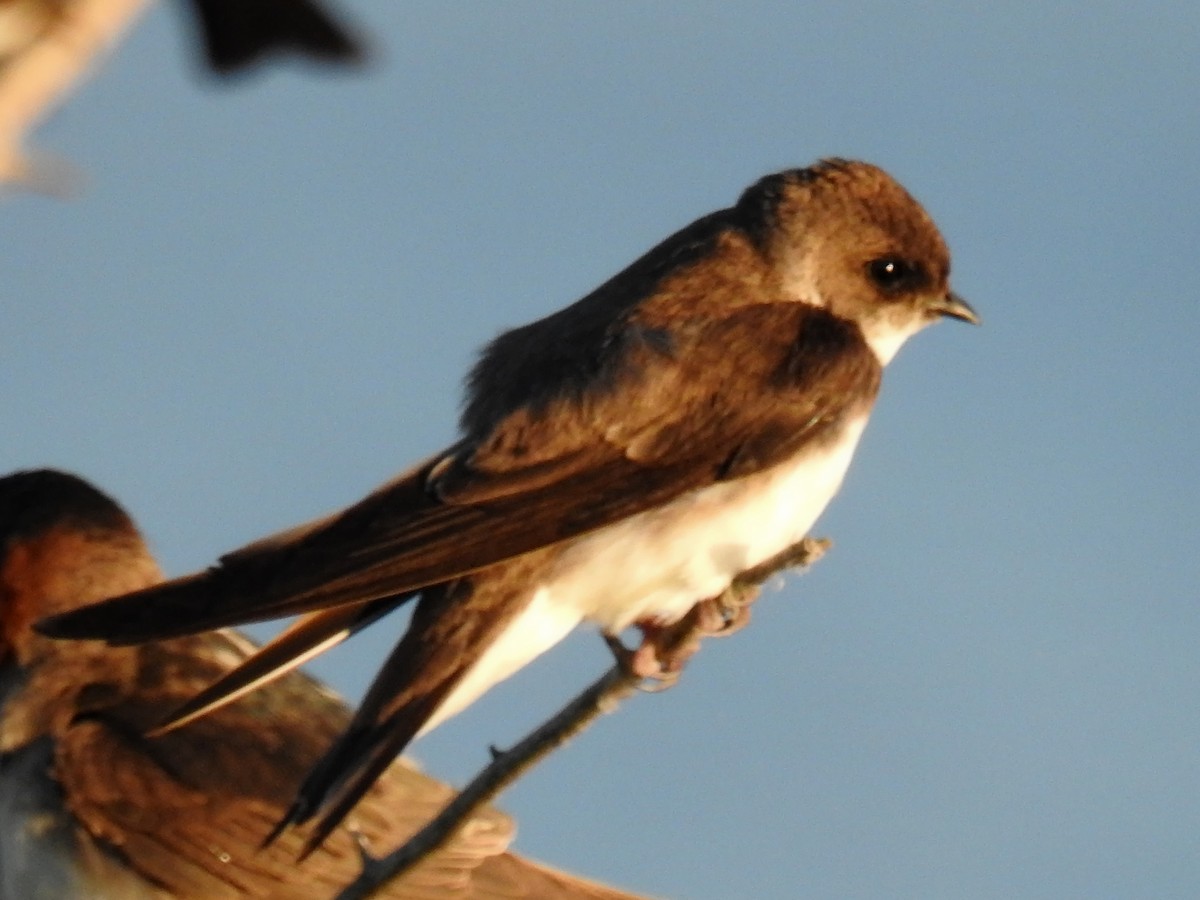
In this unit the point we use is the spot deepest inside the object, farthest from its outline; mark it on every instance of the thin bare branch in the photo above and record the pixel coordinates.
(671, 646)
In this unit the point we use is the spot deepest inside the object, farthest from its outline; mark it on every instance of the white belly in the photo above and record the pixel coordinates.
(658, 564)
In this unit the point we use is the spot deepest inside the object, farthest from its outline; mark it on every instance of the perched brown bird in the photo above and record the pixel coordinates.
(620, 460)
(89, 807)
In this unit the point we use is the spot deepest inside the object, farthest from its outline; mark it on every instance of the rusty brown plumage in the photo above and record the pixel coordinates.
(182, 815)
(619, 461)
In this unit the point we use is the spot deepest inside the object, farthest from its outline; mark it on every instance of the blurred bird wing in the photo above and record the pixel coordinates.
(188, 811)
(239, 33)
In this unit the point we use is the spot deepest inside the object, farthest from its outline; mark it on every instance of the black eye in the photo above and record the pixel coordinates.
(894, 274)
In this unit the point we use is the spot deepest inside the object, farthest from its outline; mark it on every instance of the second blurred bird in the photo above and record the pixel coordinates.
(239, 33)
(89, 807)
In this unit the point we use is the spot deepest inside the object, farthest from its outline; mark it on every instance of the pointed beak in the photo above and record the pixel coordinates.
(955, 307)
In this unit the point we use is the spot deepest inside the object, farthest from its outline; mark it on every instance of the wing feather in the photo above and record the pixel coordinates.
(791, 375)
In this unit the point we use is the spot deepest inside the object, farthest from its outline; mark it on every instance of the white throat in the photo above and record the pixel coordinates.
(885, 338)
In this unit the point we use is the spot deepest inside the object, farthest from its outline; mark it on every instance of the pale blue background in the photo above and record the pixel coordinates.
(263, 304)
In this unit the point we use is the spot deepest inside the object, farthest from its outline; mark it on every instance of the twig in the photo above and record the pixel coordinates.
(673, 645)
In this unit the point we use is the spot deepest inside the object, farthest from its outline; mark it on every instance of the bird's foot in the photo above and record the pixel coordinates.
(664, 650)
(655, 663)
(727, 613)
(642, 661)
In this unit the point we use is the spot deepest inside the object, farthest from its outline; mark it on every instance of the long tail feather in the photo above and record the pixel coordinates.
(384, 749)
(393, 712)
(304, 640)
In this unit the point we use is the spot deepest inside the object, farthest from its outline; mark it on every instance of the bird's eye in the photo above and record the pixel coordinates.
(893, 274)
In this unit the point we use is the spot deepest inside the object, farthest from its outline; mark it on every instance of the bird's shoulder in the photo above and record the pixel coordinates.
(696, 388)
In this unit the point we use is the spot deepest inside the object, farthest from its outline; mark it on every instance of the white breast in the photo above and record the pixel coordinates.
(658, 564)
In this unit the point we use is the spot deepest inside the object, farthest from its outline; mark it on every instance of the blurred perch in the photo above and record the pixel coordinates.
(47, 47)
(90, 807)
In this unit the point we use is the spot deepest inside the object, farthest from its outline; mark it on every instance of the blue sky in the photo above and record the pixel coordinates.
(264, 302)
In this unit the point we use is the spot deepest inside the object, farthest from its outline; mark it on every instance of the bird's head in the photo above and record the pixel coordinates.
(63, 545)
(847, 237)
